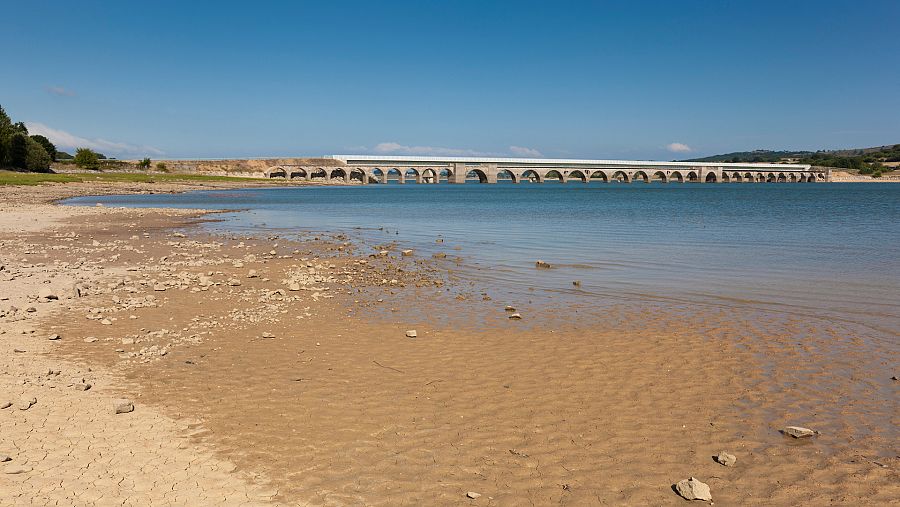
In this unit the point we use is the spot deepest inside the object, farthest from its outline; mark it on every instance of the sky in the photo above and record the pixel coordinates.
(658, 80)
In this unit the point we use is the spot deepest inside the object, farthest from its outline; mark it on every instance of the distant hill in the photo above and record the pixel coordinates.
(865, 160)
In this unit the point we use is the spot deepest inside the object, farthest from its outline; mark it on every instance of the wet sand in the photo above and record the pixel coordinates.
(249, 391)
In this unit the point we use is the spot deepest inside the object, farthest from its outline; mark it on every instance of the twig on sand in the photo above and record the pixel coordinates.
(387, 367)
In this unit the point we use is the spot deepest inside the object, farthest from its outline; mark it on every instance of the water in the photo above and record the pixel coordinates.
(822, 250)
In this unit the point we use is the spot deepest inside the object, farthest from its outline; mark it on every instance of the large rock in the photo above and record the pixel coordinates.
(799, 431)
(26, 402)
(692, 489)
(411, 333)
(123, 406)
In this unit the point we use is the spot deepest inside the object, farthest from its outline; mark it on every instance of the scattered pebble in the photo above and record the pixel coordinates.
(473, 495)
(723, 458)
(411, 333)
(692, 489)
(90, 339)
(5, 404)
(123, 406)
(26, 402)
(54, 337)
(515, 316)
(542, 265)
(4, 458)
(799, 432)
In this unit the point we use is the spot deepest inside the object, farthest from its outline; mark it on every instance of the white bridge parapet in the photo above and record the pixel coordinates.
(378, 168)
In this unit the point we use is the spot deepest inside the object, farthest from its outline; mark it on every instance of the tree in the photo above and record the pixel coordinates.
(18, 150)
(86, 158)
(37, 158)
(145, 163)
(48, 146)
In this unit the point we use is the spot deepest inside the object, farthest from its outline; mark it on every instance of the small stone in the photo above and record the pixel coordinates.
(799, 432)
(234, 282)
(123, 406)
(576, 283)
(31, 309)
(82, 386)
(692, 489)
(90, 339)
(294, 287)
(268, 335)
(49, 295)
(510, 308)
(439, 255)
(407, 253)
(14, 469)
(4, 458)
(159, 287)
(106, 322)
(473, 495)
(54, 337)
(542, 265)
(723, 458)
(515, 316)
(5, 404)
(411, 333)
(252, 274)
(26, 402)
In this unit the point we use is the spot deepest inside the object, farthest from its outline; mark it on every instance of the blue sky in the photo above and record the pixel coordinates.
(555, 79)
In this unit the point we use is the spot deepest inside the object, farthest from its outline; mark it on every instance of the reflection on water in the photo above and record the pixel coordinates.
(829, 250)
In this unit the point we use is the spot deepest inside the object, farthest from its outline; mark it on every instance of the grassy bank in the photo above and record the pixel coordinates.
(23, 178)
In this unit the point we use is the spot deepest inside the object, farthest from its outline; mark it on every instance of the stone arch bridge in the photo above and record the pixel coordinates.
(366, 169)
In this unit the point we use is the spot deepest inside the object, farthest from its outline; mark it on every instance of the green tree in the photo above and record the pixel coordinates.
(86, 158)
(145, 163)
(5, 132)
(161, 167)
(37, 159)
(48, 146)
(18, 150)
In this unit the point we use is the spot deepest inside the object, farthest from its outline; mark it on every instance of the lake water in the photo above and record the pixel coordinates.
(824, 250)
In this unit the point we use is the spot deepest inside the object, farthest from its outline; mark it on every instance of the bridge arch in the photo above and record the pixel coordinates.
(531, 176)
(445, 174)
(726, 178)
(811, 178)
(736, 177)
(620, 176)
(318, 173)
(506, 174)
(781, 178)
(677, 176)
(659, 176)
(429, 175)
(711, 178)
(692, 176)
(338, 173)
(357, 174)
(378, 175)
(640, 175)
(553, 174)
(599, 175)
(412, 174)
(770, 178)
(577, 174)
(276, 172)
(792, 177)
(476, 173)
(394, 171)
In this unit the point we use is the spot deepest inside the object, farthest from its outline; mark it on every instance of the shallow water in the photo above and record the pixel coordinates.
(827, 250)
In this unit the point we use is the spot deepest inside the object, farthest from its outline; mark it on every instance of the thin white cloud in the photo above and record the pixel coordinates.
(66, 141)
(522, 151)
(60, 91)
(436, 151)
(679, 148)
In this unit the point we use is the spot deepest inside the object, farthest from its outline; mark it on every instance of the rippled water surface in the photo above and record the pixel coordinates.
(807, 249)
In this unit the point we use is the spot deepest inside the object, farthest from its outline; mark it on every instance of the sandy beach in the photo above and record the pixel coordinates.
(268, 371)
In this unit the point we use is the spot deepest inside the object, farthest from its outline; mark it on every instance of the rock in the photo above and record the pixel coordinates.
(542, 265)
(473, 495)
(406, 253)
(31, 309)
(440, 255)
(577, 283)
(4, 458)
(799, 432)
(123, 406)
(411, 333)
(509, 308)
(54, 337)
(234, 282)
(26, 402)
(515, 316)
(90, 339)
(5, 404)
(268, 335)
(723, 458)
(294, 287)
(159, 287)
(106, 322)
(49, 295)
(76, 291)
(16, 469)
(252, 274)
(81, 386)
(692, 489)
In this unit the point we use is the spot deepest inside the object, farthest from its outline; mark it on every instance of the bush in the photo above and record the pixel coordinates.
(144, 164)
(47, 145)
(87, 158)
(161, 167)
